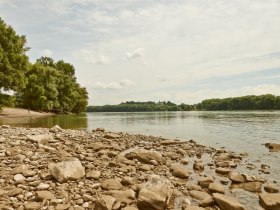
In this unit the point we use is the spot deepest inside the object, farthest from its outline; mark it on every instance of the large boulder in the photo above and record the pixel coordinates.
(155, 194)
(225, 202)
(145, 156)
(270, 201)
(70, 169)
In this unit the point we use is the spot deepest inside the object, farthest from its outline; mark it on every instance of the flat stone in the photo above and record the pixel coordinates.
(111, 136)
(271, 188)
(253, 186)
(223, 171)
(145, 156)
(270, 201)
(42, 195)
(180, 171)
(205, 181)
(236, 177)
(94, 174)
(225, 202)
(40, 138)
(32, 206)
(204, 198)
(216, 188)
(111, 184)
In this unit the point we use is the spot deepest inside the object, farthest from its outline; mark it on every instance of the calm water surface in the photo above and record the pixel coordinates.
(239, 131)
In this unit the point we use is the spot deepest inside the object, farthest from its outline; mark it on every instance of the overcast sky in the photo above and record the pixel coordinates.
(177, 50)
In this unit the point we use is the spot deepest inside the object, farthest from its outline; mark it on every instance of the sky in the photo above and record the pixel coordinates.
(183, 51)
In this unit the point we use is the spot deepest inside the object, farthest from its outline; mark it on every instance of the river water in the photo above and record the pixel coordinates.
(238, 131)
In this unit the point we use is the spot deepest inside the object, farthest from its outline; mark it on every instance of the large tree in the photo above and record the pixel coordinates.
(13, 60)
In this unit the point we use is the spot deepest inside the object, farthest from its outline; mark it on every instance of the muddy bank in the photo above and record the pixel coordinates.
(19, 112)
(72, 169)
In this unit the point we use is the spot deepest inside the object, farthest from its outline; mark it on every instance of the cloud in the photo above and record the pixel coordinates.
(92, 57)
(113, 85)
(47, 53)
(137, 53)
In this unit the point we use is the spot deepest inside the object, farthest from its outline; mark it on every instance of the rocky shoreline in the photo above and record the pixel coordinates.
(74, 169)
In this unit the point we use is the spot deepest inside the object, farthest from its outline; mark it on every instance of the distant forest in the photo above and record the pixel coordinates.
(250, 102)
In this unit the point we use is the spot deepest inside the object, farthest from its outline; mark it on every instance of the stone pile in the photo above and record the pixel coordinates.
(57, 169)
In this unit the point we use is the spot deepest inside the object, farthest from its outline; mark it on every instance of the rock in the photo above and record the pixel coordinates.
(180, 171)
(96, 146)
(111, 184)
(104, 202)
(223, 171)
(145, 156)
(170, 142)
(198, 166)
(94, 174)
(111, 136)
(56, 129)
(40, 138)
(271, 188)
(155, 194)
(225, 202)
(32, 206)
(21, 169)
(216, 188)
(126, 197)
(19, 178)
(205, 181)
(127, 180)
(42, 195)
(6, 126)
(70, 169)
(270, 201)
(273, 147)
(43, 186)
(100, 129)
(253, 186)
(193, 208)
(236, 177)
(204, 198)
(13, 192)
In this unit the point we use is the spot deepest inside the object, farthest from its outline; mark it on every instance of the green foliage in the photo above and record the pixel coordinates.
(131, 106)
(13, 61)
(52, 86)
(250, 102)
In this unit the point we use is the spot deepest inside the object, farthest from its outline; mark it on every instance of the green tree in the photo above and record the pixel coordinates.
(13, 60)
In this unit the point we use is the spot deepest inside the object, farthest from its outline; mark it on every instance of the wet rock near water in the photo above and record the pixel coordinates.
(59, 169)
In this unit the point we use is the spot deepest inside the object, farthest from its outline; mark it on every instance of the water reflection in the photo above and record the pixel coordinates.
(65, 121)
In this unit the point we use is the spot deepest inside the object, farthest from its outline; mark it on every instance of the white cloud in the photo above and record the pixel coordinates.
(47, 53)
(113, 85)
(137, 53)
(92, 57)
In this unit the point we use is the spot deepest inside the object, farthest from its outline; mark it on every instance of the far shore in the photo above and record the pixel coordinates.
(20, 112)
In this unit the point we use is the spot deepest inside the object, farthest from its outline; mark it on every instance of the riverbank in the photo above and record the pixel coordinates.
(74, 169)
(20, 112)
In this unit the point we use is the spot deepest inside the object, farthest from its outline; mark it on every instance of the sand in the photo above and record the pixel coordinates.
(19, 112)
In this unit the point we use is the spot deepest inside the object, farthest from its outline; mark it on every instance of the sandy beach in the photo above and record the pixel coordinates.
(19, 112)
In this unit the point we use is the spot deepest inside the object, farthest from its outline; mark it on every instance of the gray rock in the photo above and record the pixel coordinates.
(70, 169)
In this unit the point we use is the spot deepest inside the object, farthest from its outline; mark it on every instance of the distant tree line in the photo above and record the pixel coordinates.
(251, 102)
(45, 85)
(132, 106)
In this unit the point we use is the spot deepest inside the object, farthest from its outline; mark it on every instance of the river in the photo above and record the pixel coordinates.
(239, 131)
